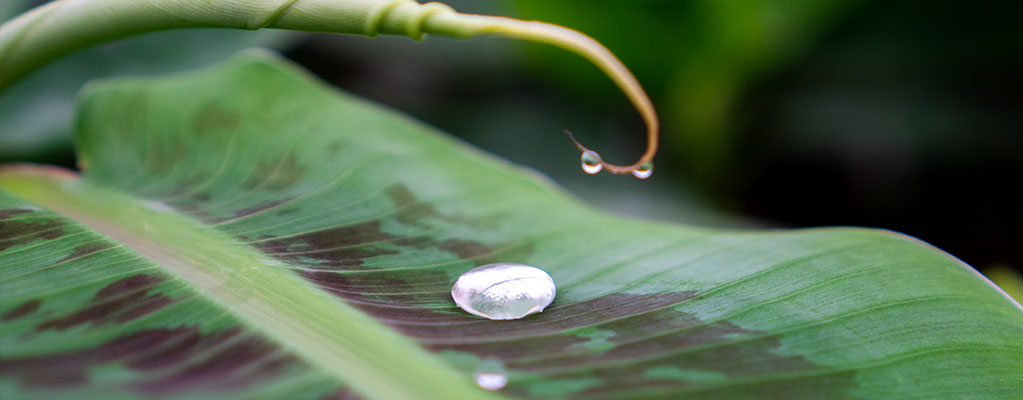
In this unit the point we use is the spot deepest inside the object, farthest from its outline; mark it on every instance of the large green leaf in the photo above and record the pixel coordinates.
(246, 232)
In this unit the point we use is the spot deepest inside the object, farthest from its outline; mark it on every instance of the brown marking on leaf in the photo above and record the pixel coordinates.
(386, 294)
(190, 344)
(465, 248)
(118, 302)
(347, 247)
(406, 314)
(4, 214)
(223, 370)
(186, 185)
(276, 174)
(333, 149)
(266, 369)
(244, 212)
(200, 197)
(194, 210)
(169, 361)
(400, 195)
(84, 250)
(394, 289)
(14, 233)
(378, 293)
(414, 211)
(341, 394)
(411, 211)
(23, 309)
(215, 118)
(339, 247)
(483, 254)
(68, 369)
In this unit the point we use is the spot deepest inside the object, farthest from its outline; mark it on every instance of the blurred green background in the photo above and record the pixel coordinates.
(778, 113)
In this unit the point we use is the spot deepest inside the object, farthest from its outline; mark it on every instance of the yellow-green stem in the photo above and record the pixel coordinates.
(64, 26)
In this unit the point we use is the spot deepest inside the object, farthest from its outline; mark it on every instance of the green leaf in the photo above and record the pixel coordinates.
(246, 232)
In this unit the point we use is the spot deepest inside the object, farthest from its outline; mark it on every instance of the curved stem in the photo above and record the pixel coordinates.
(578, 43)
(61, 27)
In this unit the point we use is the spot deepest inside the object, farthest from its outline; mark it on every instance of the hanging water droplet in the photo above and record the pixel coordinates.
(591, 162)
(490, 374)
(644, 171)
(504, 291)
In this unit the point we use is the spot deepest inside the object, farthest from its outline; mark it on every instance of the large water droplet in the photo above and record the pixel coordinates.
(591, 162)
(504, 291)
(644, 171)
(490, 374)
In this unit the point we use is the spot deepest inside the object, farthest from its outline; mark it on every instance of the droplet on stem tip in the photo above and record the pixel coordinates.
(591, 162)
(644, 171)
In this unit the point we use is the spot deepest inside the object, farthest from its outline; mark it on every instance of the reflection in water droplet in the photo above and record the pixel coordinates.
(644, 171)
(490, 374)
(504, 291)
(591, 162)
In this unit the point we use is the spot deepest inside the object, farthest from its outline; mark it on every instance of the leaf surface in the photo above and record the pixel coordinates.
(247, 232)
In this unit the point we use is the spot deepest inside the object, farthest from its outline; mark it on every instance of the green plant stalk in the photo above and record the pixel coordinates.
(61, 27)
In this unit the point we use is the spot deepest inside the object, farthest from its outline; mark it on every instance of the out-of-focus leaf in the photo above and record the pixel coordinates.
(35, 113)
(244, 232)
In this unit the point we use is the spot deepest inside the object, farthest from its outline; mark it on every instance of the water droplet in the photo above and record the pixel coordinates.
(490, 374)
(504, 291)
(644, 171)
(591, 162)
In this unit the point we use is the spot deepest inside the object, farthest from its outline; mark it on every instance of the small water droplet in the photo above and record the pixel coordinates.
(644, 171)
(490, 374)
(504, 291)
(591, 162)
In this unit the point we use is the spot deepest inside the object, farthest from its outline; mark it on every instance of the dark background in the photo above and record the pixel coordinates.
(797, 113)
